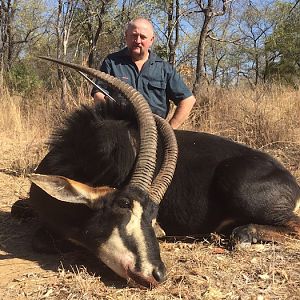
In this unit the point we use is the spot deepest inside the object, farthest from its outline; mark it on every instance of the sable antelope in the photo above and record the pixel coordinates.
(97, 188)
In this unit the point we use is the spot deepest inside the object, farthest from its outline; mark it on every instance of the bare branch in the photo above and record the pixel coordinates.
(200, 3)
(224, 8)
(235, 42)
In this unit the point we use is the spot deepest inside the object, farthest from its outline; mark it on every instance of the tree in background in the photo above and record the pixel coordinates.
(173, 8)
(216, 42)
(255, 24)
(210, 10)
(91, 18)
(21, 26)
(284, 45)
(7, 13)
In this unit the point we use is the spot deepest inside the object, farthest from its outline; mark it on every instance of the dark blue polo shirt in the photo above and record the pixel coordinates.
(157, 81)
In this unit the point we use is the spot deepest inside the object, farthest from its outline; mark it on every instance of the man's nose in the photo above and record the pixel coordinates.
(138, 39)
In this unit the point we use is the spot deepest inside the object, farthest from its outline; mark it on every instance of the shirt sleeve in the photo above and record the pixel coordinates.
(177, 90)
(106, 68)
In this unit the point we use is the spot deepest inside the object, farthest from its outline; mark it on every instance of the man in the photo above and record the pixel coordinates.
(153, 77)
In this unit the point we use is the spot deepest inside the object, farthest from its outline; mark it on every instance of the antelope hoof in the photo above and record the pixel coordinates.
(244, 235)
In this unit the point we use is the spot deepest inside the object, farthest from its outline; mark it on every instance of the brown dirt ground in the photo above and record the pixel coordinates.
(196, 270)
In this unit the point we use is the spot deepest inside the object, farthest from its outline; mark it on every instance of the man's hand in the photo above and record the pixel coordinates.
(182, 111)
(99, 97)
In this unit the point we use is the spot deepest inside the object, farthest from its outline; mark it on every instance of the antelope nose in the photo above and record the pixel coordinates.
(159, 275)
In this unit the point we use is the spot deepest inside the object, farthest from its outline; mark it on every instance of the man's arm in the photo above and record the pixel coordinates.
(96, 94)
(182, 111)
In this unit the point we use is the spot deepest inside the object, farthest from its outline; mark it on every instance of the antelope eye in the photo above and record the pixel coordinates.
(124, 203)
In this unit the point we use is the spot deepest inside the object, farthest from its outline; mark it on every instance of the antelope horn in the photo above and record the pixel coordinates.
(146, 161)
(170, 152)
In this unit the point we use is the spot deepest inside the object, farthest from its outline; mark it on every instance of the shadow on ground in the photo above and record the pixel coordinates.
(15, 243)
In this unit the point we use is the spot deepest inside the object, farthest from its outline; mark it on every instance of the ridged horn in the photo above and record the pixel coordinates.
(146, 161)
(170, 153)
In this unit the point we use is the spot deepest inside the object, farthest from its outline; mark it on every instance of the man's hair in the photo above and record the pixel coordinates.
(132, 23)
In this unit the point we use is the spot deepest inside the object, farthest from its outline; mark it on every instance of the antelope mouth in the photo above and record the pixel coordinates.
(140, 280)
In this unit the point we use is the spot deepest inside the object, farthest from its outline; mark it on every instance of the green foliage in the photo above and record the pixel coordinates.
(284, 44)
(255, 42)
(23, 79)
(161, 50)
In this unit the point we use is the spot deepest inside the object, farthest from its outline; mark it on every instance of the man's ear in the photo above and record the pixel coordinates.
(68, 190)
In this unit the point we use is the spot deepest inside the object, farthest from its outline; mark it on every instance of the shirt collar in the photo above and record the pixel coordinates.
(153, 57)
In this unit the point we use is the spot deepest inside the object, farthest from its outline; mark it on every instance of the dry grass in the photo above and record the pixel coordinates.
(26, 123)
(266, 118)
(269, 115)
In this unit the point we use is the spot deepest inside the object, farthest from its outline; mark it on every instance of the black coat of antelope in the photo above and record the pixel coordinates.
(102, 186)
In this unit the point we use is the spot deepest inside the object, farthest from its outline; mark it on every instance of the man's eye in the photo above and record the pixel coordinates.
(124, 203)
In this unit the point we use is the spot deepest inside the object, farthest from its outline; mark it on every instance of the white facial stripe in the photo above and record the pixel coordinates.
(297, 205)
(134, 229)
(115, 254)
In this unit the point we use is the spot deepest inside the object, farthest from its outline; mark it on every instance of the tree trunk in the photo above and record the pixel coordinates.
(2, 44)
(5, 25)
(209, 13)
(58, 52)
(94, 11)
(65, 16)
(200, 56)
(173, 29)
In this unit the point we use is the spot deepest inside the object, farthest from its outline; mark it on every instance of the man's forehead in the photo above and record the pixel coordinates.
(143, 31)
(141, 27)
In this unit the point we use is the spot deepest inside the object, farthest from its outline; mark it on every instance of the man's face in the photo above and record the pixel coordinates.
(139, 38)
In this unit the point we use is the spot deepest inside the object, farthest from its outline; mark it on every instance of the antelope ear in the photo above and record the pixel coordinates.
(68, 190)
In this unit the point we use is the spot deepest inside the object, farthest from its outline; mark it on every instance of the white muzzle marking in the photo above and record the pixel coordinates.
(116, 255)
(134, 229)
